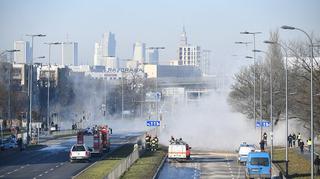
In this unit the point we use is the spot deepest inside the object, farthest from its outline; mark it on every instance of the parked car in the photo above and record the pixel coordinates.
(258, 165)
(8, 143)
(244, 150)
(80, 152)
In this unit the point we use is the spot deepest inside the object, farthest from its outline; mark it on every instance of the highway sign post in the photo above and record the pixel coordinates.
(263, 124)
(150, 123)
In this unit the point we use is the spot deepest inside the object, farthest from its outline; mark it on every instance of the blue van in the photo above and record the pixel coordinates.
(258, 165)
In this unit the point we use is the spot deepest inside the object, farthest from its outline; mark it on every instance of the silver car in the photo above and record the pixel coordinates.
(80, 152)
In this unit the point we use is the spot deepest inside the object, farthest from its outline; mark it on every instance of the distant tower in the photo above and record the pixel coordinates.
(153, 56)
(183, 38)
(24, 53)
(188, 55)
(108, 44)
(97, 55)
(139, 52)
(105, 49)
(69, 53)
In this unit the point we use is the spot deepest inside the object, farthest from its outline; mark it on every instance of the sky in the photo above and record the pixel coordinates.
(212, 24)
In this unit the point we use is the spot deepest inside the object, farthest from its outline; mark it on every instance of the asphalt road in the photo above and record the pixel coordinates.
(51, 161)
(204, 165)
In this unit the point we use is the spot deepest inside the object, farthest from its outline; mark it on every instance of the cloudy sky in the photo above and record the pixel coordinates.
(213, 24)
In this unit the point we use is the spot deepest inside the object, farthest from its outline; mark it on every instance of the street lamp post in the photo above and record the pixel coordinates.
(30, 85)
(48, 83)
(254, 70)
(254, 80)
(286, 78)
(311, 96)
(255, 50)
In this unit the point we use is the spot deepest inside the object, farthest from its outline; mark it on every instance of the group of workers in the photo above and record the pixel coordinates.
(176, 141)
(152, 143)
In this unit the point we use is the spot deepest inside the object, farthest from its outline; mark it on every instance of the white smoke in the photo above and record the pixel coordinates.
(211, 124)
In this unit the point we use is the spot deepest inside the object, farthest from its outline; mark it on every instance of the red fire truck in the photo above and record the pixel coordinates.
(98, 142)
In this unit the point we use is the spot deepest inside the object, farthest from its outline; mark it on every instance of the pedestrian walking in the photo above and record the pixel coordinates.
(317, 164)
(290, 140)
(294, 138)
(301, 145)
(262, 145)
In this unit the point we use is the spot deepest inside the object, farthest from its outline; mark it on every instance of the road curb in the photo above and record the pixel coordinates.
(159, 167)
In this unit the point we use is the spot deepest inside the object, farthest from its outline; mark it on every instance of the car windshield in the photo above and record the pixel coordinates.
(78, 148)
(260, 161)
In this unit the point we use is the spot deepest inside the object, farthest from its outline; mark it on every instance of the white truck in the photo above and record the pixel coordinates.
(179, 152)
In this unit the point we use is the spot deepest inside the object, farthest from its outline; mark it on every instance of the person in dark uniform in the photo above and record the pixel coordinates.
(317, 164)
(262, 145)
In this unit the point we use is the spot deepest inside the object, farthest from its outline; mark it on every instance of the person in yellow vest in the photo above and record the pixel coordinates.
(309, 143)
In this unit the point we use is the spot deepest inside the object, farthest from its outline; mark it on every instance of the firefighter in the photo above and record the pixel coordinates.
(147, 141)
(156, 141)
(172, 140)
(153, 144)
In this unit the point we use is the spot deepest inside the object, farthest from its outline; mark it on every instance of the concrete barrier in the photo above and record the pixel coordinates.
(124, 165)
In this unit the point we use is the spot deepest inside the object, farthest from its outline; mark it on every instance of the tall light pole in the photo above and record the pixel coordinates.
(48, 83)
(311, 95)
(254, 70)
(254, 82)
(261, 94)
(30, 85)
(286, 78)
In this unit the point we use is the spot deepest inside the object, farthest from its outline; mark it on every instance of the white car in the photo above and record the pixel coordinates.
(80, 152)
(244, 150)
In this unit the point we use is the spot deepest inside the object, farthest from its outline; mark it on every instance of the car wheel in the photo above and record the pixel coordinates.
(71, 161)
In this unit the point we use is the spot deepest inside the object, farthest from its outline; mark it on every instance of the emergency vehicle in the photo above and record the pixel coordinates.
(179, 151)
(98, 142)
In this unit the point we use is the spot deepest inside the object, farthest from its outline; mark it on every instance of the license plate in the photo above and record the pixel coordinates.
(255, 170)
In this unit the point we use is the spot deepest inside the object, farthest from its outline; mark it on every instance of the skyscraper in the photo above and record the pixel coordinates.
(188, 55)
(153, 56)
(108, 44)
(69, 53)
(24, 53)
(97, 59)
(105, 48)
(139, 52)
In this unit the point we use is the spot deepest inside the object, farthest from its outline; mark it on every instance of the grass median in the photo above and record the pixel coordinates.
(299, 167)
(104, 166)
(146, 166)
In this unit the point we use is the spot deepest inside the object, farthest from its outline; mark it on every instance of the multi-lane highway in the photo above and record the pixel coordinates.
(51, 161)
(204, 165)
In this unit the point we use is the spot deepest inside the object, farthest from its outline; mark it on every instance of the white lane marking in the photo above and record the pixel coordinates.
(46, 172)
(1, 176)
(57, 166)
(51, 169)
(9, 173)
(22, 167)
(34, 178)
(40, 175)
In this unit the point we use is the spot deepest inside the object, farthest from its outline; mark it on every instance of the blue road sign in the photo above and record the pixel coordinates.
(263, 124)
(153, 123)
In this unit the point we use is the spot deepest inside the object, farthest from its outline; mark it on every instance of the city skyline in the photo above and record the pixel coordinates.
(212, 25)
